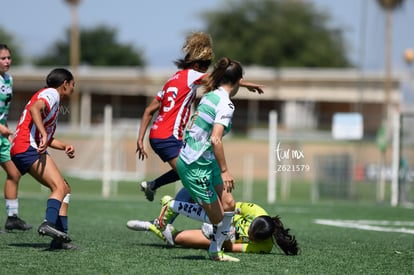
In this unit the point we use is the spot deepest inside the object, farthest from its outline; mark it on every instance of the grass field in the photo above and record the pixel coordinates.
(107, 247)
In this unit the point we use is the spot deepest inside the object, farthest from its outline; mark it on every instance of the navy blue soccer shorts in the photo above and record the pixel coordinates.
(166, 149)
(25, 160)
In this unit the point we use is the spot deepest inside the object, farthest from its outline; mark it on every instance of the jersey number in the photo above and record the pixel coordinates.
(171, 94)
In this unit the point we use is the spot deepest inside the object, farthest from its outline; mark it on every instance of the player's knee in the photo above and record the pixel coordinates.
(67, 188)
(13, 176)
(217, 218)
(61, 187)
(229, 204)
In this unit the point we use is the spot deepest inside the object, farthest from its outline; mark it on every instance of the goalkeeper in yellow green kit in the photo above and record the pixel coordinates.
(254, 231)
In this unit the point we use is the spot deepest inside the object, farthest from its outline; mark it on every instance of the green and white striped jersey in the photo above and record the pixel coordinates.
(6, 95)
(215, 107)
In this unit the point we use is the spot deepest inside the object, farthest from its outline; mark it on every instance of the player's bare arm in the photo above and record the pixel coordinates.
(4, 131)
(218, 149)
(60, 145)
(252, 87)
(35, 111)
(145, 121)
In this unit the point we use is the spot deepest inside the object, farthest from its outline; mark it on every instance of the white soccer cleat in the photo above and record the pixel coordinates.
(168, 234)
(147, 226)
(138, 225)
(207, 230)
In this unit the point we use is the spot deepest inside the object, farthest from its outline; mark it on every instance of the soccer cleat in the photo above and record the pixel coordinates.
(47, 229)
(168, 234)
(14, 222)
(207, 230)
(146, 188)
(138, 225)
(156, 231)
(55, 245)
(221, 257)
(166, 213)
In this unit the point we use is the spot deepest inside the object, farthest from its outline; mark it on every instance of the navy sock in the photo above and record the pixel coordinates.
(164, 179)
(52, 210)
(62, 223)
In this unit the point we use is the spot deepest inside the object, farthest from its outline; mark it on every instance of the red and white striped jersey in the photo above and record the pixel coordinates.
(176, 99)
(27, 133)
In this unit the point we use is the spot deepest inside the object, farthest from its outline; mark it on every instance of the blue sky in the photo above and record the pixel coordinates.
(159, 26)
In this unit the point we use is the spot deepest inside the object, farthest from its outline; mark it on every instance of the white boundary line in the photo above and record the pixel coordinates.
(370, 225)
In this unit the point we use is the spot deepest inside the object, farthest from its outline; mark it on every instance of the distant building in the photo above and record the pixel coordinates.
(303, 98)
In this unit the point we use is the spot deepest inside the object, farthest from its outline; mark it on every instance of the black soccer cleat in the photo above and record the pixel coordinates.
(15, 223)
(146, 187)
(47, 229)
(57, 245)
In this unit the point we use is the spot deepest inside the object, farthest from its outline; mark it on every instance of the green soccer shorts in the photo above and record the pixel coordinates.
(4, 149)
(200, 180)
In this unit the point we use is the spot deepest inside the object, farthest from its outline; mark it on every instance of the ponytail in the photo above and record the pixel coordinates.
(226, 71)
(284, 240)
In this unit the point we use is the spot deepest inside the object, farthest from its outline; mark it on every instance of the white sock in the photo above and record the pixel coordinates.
(220, 232)
(191, 210)
(12, 207)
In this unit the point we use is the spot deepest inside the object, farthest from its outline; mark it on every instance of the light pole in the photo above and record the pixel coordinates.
(74, 61)
(388, 6)
(402, 188)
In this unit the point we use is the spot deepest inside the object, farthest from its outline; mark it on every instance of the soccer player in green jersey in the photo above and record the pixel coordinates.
(13, 176)
(202, 165)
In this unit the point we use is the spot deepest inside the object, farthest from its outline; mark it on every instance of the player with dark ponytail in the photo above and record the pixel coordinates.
(263, 227)
(254, 232)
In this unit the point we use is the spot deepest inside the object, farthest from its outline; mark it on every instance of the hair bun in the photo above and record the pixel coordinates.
(223, 63)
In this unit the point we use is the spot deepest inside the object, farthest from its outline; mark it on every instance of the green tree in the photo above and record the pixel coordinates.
(98, 47)
(276, 33)
(7, 38)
